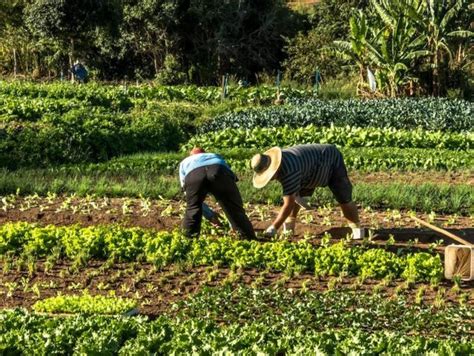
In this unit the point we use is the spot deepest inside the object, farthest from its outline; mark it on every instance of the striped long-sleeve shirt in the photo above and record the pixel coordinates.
(305, 167)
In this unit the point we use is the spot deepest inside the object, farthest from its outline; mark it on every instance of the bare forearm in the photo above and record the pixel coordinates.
(285, 211)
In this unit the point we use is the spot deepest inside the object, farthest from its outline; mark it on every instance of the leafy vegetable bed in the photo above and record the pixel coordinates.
(336, 309)
(85, 304)
(99, 94)
(429, 114)
(250, 321)
(341, 136)
(164, 248)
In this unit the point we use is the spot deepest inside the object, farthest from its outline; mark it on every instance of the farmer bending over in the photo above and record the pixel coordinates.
(300, 169)
(202, 173)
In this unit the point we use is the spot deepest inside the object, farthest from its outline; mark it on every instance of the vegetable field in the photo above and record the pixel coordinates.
(92, 260)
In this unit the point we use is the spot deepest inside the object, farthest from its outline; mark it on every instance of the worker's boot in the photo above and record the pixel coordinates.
(289, 226)
(358, 233)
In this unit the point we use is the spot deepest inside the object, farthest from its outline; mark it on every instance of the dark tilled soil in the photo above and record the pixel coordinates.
(166, 215)
(158, 290)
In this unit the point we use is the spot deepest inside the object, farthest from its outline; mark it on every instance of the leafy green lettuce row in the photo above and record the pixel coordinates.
(100, 94)
(85, 304)
(345, 136)
(163, 248)
(23, 333)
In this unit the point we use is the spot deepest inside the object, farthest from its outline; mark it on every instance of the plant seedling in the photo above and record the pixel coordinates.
(439, 300)
(456, 284)
(419, 295)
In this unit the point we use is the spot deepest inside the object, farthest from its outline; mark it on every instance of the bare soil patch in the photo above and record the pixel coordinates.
(157, 289)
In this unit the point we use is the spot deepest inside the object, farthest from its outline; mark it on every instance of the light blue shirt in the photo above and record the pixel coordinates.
(198, 160)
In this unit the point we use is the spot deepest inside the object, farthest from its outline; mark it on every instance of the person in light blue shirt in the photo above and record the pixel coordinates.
(195, 160)
(202, 173)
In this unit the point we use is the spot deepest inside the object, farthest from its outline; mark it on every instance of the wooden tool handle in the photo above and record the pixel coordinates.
(443, 231)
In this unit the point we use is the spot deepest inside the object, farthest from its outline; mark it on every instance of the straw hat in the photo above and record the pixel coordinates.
(265, 166)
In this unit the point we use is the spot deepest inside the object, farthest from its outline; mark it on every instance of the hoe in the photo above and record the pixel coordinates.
(458, 259)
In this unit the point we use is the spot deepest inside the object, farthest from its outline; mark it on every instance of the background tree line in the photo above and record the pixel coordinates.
(412, 46)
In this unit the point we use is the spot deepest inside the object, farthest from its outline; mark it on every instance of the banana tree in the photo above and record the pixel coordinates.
(437, 24)
(355, 50)
(393, 53)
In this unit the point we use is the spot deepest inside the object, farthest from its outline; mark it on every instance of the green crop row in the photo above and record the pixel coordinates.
(92, 94)
(23, 333)
(365, 159)
(99, 94)
(338, 308)
(427, 113)
(250, 95)
(33, 109)
(164, 248)
(84, 304)
(345, 136)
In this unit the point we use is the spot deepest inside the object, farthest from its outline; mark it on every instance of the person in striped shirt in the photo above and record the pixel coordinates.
(300, 169)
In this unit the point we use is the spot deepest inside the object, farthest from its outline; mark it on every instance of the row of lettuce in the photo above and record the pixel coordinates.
(110, 95)
(22, 333)
(164, 248)
(342, 136)
(245, 320)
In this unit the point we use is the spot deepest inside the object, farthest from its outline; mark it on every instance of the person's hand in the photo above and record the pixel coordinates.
(271, 231)
(215, 220)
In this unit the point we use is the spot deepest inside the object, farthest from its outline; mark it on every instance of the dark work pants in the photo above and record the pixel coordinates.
(220, 182)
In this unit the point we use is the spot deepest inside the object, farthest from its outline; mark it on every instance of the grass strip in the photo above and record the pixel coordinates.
(363, 159)
(426, 197)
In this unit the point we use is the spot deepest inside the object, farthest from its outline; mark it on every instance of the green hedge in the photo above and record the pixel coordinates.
(85, 135)
(427, 113)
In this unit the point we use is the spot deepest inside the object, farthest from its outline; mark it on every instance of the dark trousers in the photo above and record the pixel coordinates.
(220, 182)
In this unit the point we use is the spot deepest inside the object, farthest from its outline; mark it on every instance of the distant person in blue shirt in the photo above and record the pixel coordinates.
(202, 173)
(79, 72)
